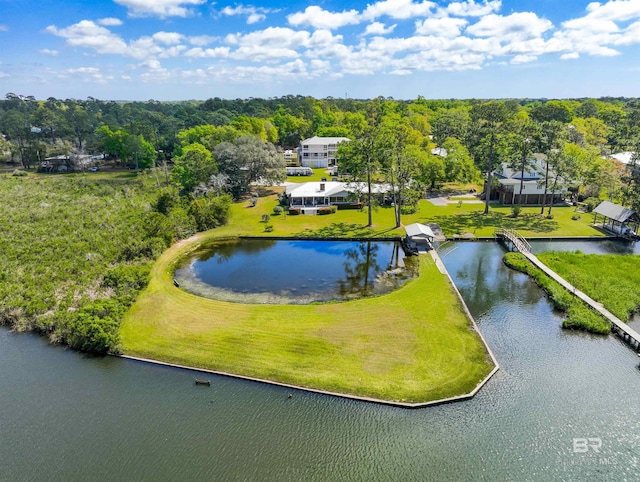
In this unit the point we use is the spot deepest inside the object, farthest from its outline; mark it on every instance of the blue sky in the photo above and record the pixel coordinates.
(196, 49)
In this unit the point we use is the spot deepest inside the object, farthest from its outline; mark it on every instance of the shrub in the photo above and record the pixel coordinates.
(268, 228)
(515, 210)
(294, 211)
(334, 209)
(127, 279)
(166, 201)
(591, 203)
(575, 217)
(278, 210)
(265, 218)
(19, 173)
(210, 212)
(549, 216)
(324, 210)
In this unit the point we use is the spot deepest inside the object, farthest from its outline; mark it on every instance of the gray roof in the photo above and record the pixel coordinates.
(419, 230)
(324, 140)
(614, 211)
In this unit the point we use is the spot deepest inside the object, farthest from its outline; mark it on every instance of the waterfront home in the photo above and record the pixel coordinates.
(327, 193)
(509, 180)
(319, 152)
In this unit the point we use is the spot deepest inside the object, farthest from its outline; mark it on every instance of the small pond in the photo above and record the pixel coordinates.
(294, 271)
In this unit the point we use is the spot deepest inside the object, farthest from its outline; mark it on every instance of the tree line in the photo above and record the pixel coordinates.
(393, 139)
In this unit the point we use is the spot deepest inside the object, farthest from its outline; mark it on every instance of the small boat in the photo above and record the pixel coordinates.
(203, 382)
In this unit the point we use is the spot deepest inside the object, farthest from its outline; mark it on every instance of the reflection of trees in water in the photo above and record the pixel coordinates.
(226, 249)
(360, 261)
(494, 286)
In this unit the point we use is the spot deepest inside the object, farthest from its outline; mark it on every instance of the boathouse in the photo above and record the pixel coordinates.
(617, 219)
(419, 236)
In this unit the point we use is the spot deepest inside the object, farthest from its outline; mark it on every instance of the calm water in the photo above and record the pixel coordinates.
(66, 416)
(294, 271)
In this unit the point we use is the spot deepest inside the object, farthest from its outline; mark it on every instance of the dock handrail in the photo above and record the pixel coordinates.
(519, 242)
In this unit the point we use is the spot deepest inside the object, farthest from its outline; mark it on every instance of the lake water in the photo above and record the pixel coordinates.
(68, 416)
(294, 271)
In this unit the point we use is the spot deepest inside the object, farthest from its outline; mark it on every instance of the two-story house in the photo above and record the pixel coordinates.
(319, 152)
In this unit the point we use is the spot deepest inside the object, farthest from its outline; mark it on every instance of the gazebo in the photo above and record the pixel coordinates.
(419, 236)
(617, 219)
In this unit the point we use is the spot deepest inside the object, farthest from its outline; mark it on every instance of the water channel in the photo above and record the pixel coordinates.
(68, 416)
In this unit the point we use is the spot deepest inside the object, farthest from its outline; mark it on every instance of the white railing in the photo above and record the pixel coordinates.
(520, 243)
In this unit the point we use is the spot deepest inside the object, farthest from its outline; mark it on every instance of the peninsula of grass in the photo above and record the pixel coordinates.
(579, 316)
(413, 345)
(613, 280)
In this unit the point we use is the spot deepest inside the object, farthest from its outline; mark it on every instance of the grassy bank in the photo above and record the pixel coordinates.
(613, 280)
(578, 315)
(412, 345)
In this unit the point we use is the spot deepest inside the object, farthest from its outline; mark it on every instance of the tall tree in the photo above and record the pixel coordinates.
(489, 119)
(552, 135)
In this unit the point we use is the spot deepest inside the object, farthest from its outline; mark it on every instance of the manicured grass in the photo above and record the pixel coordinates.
(468, 218)
(413, 345)
(613, 280)
(579, 316)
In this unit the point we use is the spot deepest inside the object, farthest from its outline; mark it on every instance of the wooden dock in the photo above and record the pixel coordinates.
(516, 242)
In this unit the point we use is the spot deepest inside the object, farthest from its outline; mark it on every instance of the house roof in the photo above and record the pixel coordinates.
(615, 211)
(623, 157)
(439, 151)
(312, 189)
(315, 140)
(417, 230)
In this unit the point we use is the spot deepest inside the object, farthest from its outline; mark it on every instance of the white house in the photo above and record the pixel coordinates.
(623, 157)
(319, 152)
(315, 194)
(509, 179)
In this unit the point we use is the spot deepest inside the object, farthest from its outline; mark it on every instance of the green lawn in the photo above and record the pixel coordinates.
(453, 220)
(413, 345)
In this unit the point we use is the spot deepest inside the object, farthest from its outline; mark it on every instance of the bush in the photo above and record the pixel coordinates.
(127, 279)
(166, 201)
(334, 209)
(575, 217)
(549, 216)
(210, 212)
(294, 211)
(278, 210)
(324, 210)
(19, 173)
(265, 218)
(591, 203)
(515, 210)
(268, 228)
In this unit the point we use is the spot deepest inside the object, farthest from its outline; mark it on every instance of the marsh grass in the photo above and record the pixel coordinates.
(579, 316)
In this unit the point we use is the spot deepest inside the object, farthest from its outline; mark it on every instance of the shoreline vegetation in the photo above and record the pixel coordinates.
(578, 315)
(415, 344)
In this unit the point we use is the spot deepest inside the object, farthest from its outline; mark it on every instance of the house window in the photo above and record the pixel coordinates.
(306, 154)
(305, 147)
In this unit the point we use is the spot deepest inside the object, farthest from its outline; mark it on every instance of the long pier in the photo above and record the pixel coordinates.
(517, 243)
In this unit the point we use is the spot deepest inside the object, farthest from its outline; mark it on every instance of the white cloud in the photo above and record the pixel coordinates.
(523, 59)
(444, 27)
(401, 72)
(53, 53)
(254, 14)
(470, 8)
(520, 25)
(620, 10)
(4, 28)
(90, 35)
(379, 28)
(202, 40)
(200, 53)
(400, 9)
(168, 38)
(276, 37)
(317, 17)
(571, 56)
(109, 22)
(159, 8)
